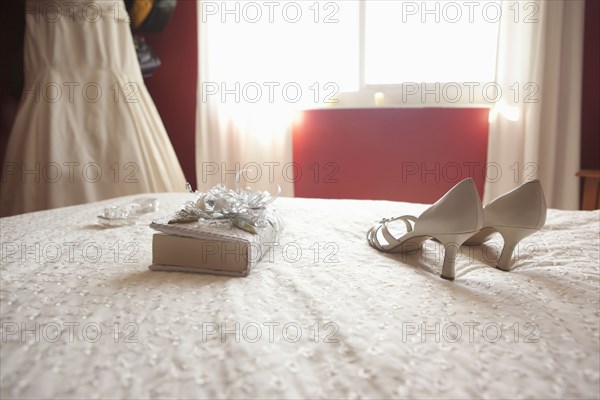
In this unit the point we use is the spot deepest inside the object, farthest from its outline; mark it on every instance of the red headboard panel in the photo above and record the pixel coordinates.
(408, 154)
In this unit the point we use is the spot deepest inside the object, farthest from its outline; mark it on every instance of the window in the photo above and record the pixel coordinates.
(435, 41)
(427, 53)
(352, 53)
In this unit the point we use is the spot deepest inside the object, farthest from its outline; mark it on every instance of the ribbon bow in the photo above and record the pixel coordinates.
(243, 208)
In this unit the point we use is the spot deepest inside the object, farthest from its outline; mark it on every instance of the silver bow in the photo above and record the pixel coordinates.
(243, 208)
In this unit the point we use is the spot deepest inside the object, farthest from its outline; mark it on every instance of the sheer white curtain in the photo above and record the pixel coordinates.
(535, 129)
(260, 62)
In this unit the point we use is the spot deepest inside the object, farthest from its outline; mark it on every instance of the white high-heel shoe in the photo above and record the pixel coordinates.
(454, 218)
(515, 215)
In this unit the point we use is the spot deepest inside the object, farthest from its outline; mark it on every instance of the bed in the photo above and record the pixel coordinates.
(323, 315)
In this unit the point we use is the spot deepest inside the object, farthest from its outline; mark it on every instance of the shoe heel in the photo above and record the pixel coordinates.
(512, 237)
(451, 245)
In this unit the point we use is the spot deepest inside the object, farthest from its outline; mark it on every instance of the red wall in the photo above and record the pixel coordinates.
(12, 34)
(173, 86)
(396, 154)
(590, 109)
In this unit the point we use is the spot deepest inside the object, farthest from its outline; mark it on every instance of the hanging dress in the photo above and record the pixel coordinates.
(87, 128)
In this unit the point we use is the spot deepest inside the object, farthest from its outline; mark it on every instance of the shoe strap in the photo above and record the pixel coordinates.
(382, 226)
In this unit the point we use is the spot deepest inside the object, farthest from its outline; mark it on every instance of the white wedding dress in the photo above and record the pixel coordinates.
(86, 128)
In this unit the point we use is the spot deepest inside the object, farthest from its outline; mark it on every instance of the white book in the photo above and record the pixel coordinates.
(205, 247)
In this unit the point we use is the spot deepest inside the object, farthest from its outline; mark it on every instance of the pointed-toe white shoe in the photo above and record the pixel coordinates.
(454, 218)
(515, 215)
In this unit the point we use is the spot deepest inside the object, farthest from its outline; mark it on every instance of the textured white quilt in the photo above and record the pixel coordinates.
(324, 315)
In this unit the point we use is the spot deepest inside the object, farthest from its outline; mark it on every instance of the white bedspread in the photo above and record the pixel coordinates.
(83, 317)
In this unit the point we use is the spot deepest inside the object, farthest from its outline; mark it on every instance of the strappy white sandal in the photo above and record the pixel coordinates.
(454, 218)
(515, 215)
